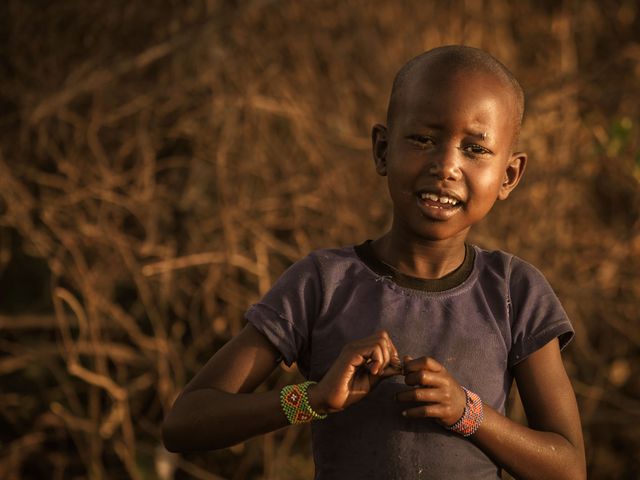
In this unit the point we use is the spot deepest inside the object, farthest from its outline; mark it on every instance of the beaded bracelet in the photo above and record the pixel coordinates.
(472, 415)
(295, 404)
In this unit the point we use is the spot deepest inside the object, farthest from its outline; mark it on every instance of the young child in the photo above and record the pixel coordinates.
(414, 339)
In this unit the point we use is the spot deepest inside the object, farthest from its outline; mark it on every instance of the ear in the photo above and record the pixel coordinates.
(513, 173)
(379, 140)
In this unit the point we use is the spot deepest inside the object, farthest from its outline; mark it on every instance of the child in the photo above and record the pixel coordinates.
(414, 339)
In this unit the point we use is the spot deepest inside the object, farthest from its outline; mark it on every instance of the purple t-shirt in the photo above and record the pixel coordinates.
(502, 311)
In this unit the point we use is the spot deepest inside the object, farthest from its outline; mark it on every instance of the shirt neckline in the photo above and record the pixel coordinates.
(365, 252)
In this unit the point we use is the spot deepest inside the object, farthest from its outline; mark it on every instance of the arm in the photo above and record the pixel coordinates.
(551, 447)
(218, 409)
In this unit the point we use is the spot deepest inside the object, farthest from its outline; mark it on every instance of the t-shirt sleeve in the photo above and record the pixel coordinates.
(537, 317)
(285, 312)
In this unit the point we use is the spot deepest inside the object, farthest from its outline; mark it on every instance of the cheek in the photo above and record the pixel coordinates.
(486, 181)
(401, 176)
(399, 192)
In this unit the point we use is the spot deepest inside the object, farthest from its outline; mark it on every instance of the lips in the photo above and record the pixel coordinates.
(445, 200)
(438, 204)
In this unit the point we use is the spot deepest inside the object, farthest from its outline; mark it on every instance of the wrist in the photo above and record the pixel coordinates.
(314, 395)
(294, 400)
(472, 415)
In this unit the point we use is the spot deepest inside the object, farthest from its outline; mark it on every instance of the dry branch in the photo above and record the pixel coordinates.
(160, 168)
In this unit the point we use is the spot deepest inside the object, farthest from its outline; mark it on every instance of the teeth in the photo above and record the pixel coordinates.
(442, 199)
(430, 196)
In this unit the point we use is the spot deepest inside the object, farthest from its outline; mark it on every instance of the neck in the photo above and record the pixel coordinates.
(429, 259)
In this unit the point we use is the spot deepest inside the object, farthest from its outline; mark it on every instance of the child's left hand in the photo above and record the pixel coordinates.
(443, 398)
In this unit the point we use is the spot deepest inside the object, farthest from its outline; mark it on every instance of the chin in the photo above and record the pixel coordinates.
(441, 234)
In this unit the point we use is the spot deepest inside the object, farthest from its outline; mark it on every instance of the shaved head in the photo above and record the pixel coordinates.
(452, 59)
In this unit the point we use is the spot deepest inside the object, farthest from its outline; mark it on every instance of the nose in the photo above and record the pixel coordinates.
(445, 163)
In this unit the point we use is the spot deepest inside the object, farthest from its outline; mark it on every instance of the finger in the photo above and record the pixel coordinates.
(386, 351)
(425, 378)
(377, 362)
(428, 395)
(395, 364)
(423, 363)
(414, 364)
(405, 359)
(425, 411)
(434, 365)
(444, 413)
(377, 351)
(392, 369)
(394, 358)
(359, 355)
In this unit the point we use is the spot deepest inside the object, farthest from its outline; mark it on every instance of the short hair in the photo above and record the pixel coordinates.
(459, 57)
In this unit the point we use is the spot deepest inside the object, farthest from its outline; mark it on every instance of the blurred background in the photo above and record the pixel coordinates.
(161, 164)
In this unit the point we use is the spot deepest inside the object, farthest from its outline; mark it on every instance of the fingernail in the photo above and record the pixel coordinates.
(404, 413)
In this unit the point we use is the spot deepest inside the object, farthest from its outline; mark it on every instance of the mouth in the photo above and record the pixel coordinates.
(439, 201)
(438, 206)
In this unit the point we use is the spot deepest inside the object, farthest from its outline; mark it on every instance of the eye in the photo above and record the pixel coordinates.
(421, 140)
(475, 150)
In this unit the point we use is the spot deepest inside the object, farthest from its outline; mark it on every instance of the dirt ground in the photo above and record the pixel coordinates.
(162, 163)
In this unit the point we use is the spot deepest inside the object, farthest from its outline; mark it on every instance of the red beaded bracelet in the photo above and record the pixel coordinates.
(472, 415)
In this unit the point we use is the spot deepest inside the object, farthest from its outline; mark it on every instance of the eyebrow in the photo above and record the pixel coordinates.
(481, 135)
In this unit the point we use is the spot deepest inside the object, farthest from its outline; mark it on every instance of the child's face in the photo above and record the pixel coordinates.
(447, 154)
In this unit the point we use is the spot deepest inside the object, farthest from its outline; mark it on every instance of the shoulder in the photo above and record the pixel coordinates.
(526, 290)
(325, 258)
(320, 266)
(513, 269)
(335, 262)
(331, 256)
(535, 312)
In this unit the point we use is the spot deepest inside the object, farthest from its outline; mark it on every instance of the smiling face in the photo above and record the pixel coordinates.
(448, 151)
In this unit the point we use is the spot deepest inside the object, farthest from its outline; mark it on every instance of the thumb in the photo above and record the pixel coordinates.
(394, 368)
(405, 359)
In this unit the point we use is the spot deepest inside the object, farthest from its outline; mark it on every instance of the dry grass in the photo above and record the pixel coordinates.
(160, 166)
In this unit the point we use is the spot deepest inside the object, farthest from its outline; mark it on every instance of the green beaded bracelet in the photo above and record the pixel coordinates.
(295, 404)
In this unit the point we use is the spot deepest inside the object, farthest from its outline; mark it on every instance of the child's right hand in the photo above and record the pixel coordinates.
(359, 367)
